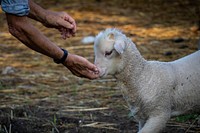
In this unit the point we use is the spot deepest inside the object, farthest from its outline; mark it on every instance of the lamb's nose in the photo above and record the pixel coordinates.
(96, 63)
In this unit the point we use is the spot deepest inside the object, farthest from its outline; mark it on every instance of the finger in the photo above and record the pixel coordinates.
(72, 33)
(68, 35)
(62, 34)
(82, 74)
(62, 31)
(65, 33)
(65, 24)
(75, 28)
(82, 71)
(85, 72)
(86, 64)
(74, 72)
(89, 74)
(69, 19)
(72, 21)
(92, 67)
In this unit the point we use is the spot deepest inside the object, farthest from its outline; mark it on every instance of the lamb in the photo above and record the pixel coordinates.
(153, 90)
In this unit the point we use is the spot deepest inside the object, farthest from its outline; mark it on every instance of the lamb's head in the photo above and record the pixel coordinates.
(109, 47)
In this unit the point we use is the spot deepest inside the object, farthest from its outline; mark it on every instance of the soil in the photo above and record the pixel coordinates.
(39, 96)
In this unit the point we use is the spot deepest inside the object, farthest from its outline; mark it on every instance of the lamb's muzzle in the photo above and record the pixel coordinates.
(158, 90)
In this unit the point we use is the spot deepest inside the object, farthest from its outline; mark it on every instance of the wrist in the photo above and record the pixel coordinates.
(63, 58)
(47, 18)
(50, 18)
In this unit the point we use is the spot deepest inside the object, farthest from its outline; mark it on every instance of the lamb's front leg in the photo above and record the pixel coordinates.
(155, 124)
(141, 124)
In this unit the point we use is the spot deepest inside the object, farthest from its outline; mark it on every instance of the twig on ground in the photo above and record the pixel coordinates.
(5, 129)
(192, 124)
(10, 128)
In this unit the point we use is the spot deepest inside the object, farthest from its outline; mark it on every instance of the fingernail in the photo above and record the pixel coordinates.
(96, 69)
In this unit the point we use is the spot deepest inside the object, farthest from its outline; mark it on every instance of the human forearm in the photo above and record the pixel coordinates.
(31, 37)
(37, 13)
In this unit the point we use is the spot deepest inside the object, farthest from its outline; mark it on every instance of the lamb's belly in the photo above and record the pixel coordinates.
(186, 111)
(185, 102)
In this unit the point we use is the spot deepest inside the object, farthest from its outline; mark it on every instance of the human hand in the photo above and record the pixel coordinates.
(81, 67)
(61, 21)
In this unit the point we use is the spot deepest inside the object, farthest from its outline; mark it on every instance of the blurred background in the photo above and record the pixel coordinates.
(37, 95)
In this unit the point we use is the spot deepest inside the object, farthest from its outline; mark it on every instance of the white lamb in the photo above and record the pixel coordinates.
(154, 90)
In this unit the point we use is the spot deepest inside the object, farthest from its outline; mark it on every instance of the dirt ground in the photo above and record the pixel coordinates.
(39, 96)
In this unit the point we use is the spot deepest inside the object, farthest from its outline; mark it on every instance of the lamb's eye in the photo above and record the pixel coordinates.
(107, 53)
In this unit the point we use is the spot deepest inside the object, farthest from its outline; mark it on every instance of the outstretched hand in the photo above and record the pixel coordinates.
(78, 65)
(61, 21)
(81, 67)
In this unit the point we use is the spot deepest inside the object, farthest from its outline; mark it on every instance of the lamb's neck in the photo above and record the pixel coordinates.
(128, 78)
(133, 65)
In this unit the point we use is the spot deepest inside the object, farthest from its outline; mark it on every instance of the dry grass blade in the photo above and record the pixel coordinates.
(5, 129)
(101, 125)
(192, 124)
(55, 127)
(77, 109)
(176, 124)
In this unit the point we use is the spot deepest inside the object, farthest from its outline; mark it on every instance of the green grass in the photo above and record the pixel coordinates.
(4, 86)
(1, 86)
(185, 118)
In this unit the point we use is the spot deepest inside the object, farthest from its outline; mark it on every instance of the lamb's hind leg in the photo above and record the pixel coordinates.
(155, 124)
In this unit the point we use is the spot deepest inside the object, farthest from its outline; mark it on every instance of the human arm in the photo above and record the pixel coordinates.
(22, 29)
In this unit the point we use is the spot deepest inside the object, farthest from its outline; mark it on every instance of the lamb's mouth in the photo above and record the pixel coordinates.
(103, 73)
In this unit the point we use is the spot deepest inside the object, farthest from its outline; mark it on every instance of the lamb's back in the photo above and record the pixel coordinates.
(187, 71)
(186, 92)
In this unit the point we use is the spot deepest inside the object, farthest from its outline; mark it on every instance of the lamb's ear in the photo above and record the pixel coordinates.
(119, 46)
(111, 36)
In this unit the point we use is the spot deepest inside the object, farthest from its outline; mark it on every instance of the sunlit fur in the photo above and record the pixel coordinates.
(154, 90)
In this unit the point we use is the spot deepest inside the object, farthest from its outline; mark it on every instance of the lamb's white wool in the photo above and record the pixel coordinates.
(154, 90)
